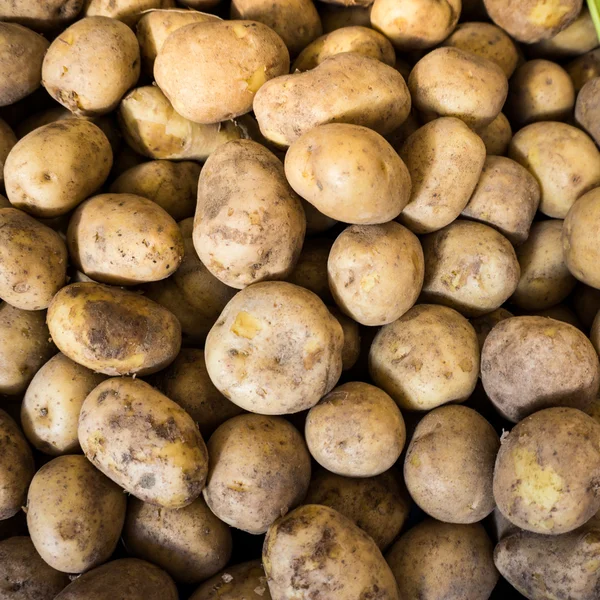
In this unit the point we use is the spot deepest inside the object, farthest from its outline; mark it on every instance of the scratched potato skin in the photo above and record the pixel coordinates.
(246, 580)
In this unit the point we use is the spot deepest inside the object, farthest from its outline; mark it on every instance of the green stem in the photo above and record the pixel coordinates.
(594, 6)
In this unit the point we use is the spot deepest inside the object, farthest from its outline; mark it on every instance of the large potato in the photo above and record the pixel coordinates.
(259, 470)
(587, 108)
(113, 331)
(7, 140)
(41, 16)
(74, 514)
(584, 68)
(346, 88)
(496, 136)
(314, 550)
(547, 471)
(128, 11)
(246, 580)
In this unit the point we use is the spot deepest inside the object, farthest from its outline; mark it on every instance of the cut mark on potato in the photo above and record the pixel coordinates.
(246, 325)
(548, 14)
(257, 80)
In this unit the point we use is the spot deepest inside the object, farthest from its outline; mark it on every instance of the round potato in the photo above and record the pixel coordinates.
(335, 17)
(259, 470)
(351, 330)
(301, 558)
(496, 136)
(112, 331)
(547, 471)
(7, 140)
(127, 11)
(428, 357)
(240, 581)
(484, 324)
(74, 514)
(310, 271)
(584, 68)
(41, 16)
(587, 108)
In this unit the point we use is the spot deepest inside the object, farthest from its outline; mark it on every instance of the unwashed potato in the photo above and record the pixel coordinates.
(246, 580)
(41, 16)
(7, 140)
(128, 11)
(506, 198)
(302, 552)
(584, 68)
(74, 514)
(449, 465)
(428, 357)
(113, 331)
(547, 471)
(348, 172)
(444, 159)
(336, 17)
(497, 135)
(346, 88)
(587, 108)
(259, 470)
(351, 330)
(310, 271)
(144, 442)
(484, 324)
(437, 560)
(451, 82)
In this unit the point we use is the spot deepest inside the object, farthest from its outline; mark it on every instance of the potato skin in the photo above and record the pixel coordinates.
(113, 331)
(587, 108)
(300, 552)
(584, 68)
(86, 535)
(484, 324)
(334, 17)
(310, 271)
(496, 136)
(41, 16)
(127, 11)
(239, 581)
(7, 140)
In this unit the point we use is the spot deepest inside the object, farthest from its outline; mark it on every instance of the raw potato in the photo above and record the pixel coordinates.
(33, 258)
(16, 468)
(349, 173)
(346, 88)
(208, 87)
(41, 16)
(442, 560)
(562, 158)
(316, 222)
(7, 140)
(21, 55)
(586, 302)
(152, 128)
(56, 167)
(302, 558)
(587, 108)
(560, 312)
(259, 470)
(415, 24)
(190, 543)
(351, 330)
(484, 324)
(112, 331)
(376, 272)
(246, 580)
(310, 271)
(428, 357)
(335, 17)
(444, 159)
(450, 82)
(449, 465)
(470, 267)
(506, 198)
(146, 245)
(128, 11)
(496, 136)
(547, 471)
(584, 68)
(74, 514)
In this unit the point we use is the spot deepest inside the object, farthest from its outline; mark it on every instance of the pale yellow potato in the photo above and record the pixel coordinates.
(428, 357)
(7, 140)
(444, 159)
(348, 172)
(310, 271)
(336, 17)
(496, 136)
(113, 331)
(127, 11)
(584, 68)
(74, 514)
(346, 88)
(246, 580)
(484, 324)
(41, 16)
(587, 108)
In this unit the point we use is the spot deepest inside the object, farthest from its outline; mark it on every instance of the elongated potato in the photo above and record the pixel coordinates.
(239, 581)
(127, 11)
(41, 16)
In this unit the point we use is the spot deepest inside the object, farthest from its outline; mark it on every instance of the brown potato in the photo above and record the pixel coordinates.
(127, 11)
(239, 581)
(7, 140)
(496, 136)
(484, 324)
(41, 16)
(584, 68)
(587, 108)
(335, 17)
(316, 222)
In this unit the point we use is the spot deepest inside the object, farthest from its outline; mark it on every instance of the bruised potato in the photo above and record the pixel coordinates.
(496, 136)
(239, 581)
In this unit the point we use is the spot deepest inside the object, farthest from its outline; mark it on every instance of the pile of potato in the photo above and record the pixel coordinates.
(299, 301)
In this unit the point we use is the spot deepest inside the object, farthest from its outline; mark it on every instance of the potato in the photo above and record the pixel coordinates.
(428, 357)
(450, 82)
(259, 470)
(348, 172)
(351, 347)
(560, 312)
(586, 303)
(186, 382)
(91, 64)
(239, 581)
(128, 578)
(416, 24)
(316, 222)
(336, 17)
(547, 471)
(484, 324)
(376, 272)
(74, 514)
(445, 159)
(127, 11)
(113, 331)
(584, 68)
(442, 560)
(7, 140)
(587, 109)
(310, 271)
(469, 267)
(269, 335)
(506, 198)
(199, 4)
(41, 16)
(449, 465)
(496, 136)
(314, 550)
(346, 88)
(595, 339)
(20, 62)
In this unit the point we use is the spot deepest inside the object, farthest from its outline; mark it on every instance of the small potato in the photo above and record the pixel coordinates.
(496, 136)
(348, 172)
(376, 272)
(584, 68)
(271, 334)
(351, 347)
(127, 11)
(428, 357)
(449, 465)
(442, 560)
(506, 198)
(547, 471)
(41, 16)
(259, 470)
(587, 108)
(302, 552)
(112, 331)
(310, 271)
(356, 431)
(444, 159)
(74, 514)
(346, 88)
(91, 64)
(7, 140)
(144, 442)
(450, 82)
(246, 580)
(335, 17)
